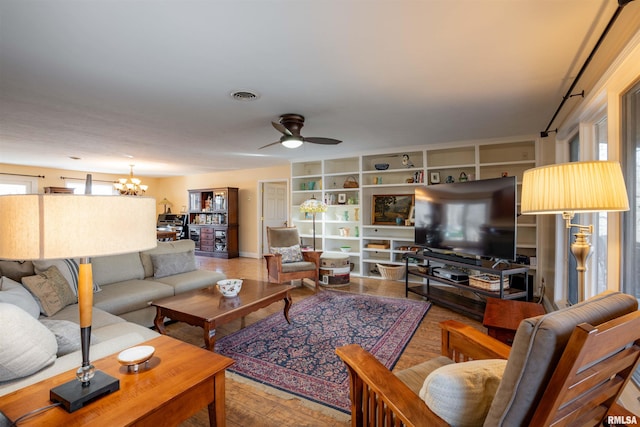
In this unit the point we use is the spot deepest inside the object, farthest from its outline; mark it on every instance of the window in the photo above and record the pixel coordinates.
(103, 189)
(631, 169)
(572, 274)
(18, 185)
(599, 237)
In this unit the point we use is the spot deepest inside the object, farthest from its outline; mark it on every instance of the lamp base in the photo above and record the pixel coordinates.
(73, 396)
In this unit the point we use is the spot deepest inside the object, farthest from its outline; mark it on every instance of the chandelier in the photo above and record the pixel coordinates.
(130, 186)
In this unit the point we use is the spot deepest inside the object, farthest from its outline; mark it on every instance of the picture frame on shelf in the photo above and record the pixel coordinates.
(434, 177)
(388, 209)
(342, 198)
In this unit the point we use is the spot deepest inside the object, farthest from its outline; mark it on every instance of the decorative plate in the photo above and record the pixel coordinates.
(136, 355)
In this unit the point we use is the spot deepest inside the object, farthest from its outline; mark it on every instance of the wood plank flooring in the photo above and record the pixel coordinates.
(250, 405)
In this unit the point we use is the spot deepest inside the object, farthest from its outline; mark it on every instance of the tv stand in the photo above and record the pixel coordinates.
(458, 295)
(452, 257)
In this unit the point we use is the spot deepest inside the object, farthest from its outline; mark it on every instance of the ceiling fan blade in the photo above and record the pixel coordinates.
(269, 145)
(324, 141)
(280, 128)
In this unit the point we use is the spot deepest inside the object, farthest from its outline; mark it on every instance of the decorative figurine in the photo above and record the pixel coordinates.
(406, 161)
(463, 177)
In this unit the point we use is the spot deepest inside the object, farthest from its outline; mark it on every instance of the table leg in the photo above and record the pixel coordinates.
(287, 306)
(209, 336)
(159, 321)
(217, 416)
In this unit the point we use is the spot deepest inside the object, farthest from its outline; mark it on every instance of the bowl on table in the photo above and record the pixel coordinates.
(229, 287)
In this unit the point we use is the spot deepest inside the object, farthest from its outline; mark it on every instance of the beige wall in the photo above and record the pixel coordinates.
(175, 190)
(246, 180)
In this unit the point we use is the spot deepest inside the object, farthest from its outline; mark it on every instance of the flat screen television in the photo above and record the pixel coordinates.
(476, 218)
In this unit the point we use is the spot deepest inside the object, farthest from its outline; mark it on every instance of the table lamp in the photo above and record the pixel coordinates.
(313, 206)
(58, 226)
(576, 187)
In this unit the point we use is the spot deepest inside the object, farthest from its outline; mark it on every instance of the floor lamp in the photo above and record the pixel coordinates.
(60, 226)
(576, 187)
(313, 206)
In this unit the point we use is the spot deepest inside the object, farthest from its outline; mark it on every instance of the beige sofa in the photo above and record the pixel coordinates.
(35, 347)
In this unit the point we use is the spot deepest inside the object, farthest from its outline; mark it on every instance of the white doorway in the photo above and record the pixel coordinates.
(274, 208)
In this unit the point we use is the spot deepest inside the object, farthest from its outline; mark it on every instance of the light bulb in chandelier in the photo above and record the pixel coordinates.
(130, 186)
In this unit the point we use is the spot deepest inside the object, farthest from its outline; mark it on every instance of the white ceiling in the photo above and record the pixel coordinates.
(148, 82)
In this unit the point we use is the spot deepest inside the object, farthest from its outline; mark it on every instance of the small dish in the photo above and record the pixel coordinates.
(136, 355)
(345, 248)
(381, 166)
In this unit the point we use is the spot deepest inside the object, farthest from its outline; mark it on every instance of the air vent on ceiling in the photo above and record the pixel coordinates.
(245, 95)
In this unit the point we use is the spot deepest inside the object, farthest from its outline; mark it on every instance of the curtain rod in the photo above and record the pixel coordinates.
(83, 179)
(621, 5)
(22, 174)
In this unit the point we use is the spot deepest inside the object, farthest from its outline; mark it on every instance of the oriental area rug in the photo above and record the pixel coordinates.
(299, 358)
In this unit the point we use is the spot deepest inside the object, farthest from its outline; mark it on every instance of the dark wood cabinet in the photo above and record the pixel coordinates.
(213, 221)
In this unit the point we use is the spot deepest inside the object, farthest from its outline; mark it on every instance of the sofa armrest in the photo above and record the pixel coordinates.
(462, 342)
(378, 397)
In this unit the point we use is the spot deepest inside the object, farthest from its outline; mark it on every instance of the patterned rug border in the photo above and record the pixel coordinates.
(388, 347)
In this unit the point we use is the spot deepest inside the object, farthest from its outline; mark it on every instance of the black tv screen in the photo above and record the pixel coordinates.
(468, 218)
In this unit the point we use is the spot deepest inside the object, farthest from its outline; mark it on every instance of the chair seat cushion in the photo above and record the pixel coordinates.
(291, 267)
(414, 376)
(461, 393)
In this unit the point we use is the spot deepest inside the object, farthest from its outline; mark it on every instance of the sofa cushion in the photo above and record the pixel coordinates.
(16, 270)
(537, 348)
(461, 393)
(169, 264)
(289, 253)
(291, 267)
(139, 294)
(99, 317)
(13, 292)
(67, 267)
(117, 268)
(26, 345)
(51, 290)
(171, 247)
(67, 335)
(191, 280)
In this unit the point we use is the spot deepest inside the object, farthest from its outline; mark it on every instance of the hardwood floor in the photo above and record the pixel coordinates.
(251, 405)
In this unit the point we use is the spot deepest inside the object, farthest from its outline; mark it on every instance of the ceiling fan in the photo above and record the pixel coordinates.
(289, 126)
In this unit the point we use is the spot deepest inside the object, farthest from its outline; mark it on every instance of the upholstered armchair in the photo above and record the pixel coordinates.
(285, 260)
(561, 370)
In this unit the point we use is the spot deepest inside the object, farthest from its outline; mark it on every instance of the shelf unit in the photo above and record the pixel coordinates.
(386, 174)
(459, 295)
(213, 221)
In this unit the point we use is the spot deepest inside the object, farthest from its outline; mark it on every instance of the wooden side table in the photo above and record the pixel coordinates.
(502, 317)
(180, 380)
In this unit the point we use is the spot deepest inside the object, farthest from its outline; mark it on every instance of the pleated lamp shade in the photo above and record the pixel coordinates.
(591, 186)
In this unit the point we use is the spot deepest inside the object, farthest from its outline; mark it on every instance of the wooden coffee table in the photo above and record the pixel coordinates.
(180, 380)
(208, 309)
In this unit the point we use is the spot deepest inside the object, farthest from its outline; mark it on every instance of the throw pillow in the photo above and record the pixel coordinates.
(14, 293)
(16, 270)
(51, 290)
(461, 393)
(67, 335)
(289, 253)
(67, 267)
(27, 345)
(169, 264)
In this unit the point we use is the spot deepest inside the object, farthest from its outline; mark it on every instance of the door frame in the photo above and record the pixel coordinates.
(260, 217)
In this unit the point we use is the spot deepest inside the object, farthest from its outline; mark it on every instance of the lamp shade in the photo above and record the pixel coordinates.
(52, 226)
(313, 205)
(592, 186)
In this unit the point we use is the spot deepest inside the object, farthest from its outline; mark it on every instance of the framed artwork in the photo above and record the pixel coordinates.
(391, 209)
(435, 177)
(342, 198)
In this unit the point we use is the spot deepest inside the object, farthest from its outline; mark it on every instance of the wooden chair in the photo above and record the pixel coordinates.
(279, 271)
(561, 370)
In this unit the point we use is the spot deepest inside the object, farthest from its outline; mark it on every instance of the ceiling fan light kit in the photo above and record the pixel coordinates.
(289, 126)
